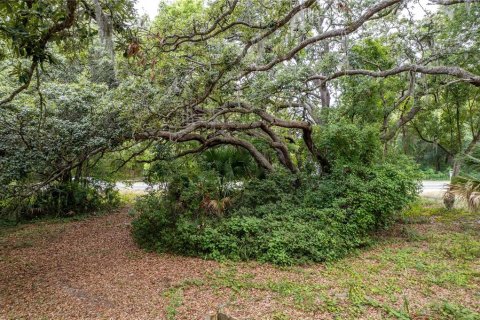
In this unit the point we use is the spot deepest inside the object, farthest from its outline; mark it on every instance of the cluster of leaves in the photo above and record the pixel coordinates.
(282, 218)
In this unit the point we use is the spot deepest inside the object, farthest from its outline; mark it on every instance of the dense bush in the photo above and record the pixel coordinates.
(63, 199)
(284, 218)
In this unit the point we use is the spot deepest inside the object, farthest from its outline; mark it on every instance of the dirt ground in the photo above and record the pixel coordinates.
(88, 269)
(91, 269)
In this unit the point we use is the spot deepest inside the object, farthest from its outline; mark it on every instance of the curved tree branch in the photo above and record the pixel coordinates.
(24, 86)
(438, 70)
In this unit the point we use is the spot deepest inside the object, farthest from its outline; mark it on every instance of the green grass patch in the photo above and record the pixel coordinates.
(175, 300)
(452, 311)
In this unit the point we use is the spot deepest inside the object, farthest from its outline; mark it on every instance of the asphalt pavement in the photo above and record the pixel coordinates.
(429, 187)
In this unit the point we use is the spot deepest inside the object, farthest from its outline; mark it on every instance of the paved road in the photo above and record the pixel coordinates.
(434, 185)
(428, 186)
(434, 189)
(136, 186)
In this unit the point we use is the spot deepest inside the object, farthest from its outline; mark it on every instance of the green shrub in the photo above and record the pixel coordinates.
(283, 219)
(430, 174)
(63, 199)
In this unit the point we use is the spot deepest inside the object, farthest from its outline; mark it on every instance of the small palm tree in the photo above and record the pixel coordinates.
(467, 187)
(230, 163)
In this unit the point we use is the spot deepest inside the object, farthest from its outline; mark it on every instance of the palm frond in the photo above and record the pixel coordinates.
(468, 189)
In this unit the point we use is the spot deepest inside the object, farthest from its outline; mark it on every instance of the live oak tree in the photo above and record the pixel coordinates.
(263, 76)
(258, 71)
